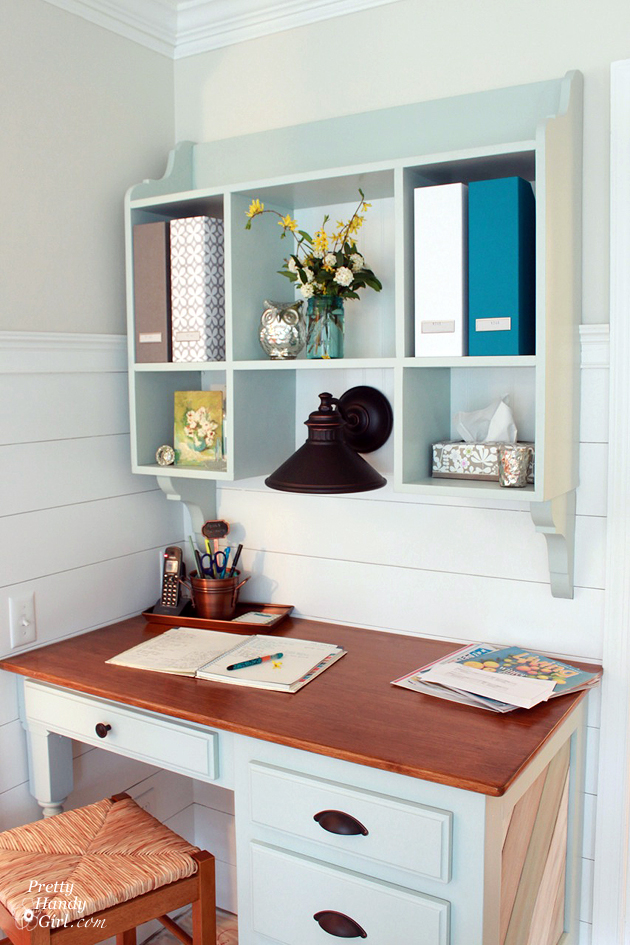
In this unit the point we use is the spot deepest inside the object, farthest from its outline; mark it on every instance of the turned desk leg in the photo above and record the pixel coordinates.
(50, 769)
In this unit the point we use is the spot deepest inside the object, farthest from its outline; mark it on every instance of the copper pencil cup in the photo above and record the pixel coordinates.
(215, 598)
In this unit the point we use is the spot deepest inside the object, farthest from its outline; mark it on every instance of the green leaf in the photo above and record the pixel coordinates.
(372, 282)
(305, 236)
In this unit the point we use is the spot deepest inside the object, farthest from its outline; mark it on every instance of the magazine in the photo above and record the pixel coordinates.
(477, 673)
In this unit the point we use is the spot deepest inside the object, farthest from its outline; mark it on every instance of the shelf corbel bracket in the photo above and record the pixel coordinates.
(555, 519)
(199, 497)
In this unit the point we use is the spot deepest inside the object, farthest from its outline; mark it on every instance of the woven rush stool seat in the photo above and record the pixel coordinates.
(87, 874)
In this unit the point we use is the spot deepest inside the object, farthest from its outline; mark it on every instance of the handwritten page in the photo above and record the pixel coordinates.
(298, 658)
(181, 650)
(514, 690)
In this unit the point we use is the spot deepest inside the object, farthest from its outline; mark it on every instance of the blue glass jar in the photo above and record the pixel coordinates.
(325, 326)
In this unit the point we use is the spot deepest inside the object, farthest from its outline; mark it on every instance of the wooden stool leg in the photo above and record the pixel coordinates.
(126, 938)
(204, 912)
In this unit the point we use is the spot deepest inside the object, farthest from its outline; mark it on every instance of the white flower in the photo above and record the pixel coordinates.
(318, 254)
(292, 265)
(330, 259)
(310, 275)
(343, 276)
(307, 290)
(356, 261)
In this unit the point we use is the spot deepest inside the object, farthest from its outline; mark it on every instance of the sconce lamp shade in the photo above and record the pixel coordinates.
(328, 462)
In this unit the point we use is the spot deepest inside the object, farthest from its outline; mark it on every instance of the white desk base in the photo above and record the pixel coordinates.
(432, 869)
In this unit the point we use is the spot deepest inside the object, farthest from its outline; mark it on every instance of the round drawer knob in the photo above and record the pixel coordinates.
(102, 729)
(337, 821)
(338, 924)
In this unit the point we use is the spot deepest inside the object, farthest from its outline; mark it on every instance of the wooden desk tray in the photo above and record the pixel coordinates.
(188, 618)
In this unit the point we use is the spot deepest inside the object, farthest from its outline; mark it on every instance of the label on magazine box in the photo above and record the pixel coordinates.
(493, 324)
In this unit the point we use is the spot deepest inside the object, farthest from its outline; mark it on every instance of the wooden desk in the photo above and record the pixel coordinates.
(472, 818)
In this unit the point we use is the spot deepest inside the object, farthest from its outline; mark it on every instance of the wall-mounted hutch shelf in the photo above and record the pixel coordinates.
(532, 131)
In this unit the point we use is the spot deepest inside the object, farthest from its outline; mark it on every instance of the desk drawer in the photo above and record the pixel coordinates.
(400, 833)
(183, 747)
(288, 890)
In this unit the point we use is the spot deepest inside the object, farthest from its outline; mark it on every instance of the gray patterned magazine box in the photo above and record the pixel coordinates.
(197, 289)
(460, 460)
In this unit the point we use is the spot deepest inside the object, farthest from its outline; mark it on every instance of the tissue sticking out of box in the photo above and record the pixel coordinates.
(485, 434)
(492, 424)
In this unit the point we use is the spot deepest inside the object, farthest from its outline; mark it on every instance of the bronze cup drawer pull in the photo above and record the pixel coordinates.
(102, 728)
(336, 821)
(336, 923)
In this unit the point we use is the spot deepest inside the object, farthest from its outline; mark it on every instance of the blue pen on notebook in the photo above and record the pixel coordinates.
(255, 662)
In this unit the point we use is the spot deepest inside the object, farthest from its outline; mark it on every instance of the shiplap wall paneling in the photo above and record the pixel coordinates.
(35, 408)
(84, 534)
(24, 489)
(214, 830)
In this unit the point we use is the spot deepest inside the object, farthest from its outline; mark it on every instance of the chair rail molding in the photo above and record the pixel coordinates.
(180, 28)
(48, 352)
(611, 916)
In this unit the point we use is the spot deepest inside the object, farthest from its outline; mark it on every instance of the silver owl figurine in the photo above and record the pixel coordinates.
(282, 329)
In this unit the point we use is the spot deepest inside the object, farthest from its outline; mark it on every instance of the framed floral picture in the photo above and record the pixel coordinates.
(198, 436)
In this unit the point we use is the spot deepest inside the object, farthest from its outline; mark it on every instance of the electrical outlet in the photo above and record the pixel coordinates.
(22, 620)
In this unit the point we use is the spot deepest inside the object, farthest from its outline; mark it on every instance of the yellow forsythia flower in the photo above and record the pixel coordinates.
(288, 223)
(255, 208)
(320, 241)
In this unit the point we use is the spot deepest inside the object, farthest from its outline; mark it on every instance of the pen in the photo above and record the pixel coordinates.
(226, 555)
(259, 659)
(235, 562)
(200, 570)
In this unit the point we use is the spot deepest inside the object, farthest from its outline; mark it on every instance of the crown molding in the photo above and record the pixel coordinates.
(180, 28)
(203, 25)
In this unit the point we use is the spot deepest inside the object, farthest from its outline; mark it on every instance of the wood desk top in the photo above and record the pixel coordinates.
(350, 712)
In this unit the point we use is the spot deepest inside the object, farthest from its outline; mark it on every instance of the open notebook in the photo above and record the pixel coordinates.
(206, 654)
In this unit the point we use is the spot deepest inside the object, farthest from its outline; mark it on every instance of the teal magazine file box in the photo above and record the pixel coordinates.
(501, 267)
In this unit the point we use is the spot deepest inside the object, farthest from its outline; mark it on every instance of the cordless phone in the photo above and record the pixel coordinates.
(171, 601)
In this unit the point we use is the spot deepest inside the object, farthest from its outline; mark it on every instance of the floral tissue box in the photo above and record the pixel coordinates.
(460, 460)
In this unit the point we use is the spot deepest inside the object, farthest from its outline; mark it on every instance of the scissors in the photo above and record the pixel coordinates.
(215, 564)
